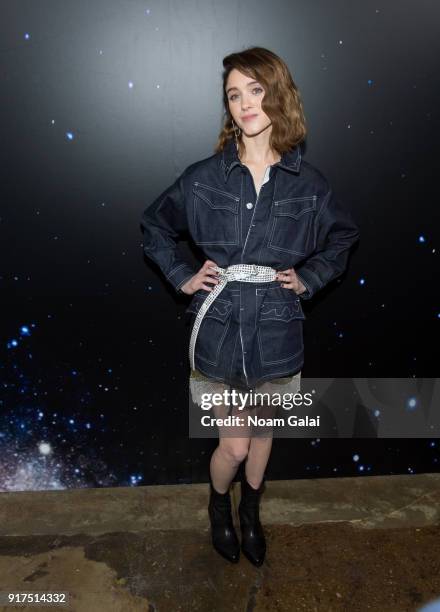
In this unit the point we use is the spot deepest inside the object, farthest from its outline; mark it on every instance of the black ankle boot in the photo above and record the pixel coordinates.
(224, 537)
(253, 542)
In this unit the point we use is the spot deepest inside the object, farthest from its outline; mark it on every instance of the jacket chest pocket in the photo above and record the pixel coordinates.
(280, 333)
(213, 329)
(293, 225)
(215, 216)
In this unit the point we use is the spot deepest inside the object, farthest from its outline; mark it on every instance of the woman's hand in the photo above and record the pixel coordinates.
(289, 280)
(204, 275)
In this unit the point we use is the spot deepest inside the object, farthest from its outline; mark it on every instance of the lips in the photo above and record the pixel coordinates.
(248, 117)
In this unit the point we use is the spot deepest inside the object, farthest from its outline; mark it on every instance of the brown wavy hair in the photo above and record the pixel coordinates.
(281, 101)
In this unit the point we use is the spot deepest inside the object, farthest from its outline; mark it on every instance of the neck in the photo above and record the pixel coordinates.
(258, 153)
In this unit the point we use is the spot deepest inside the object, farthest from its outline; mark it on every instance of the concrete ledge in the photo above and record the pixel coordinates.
(367, 501)
(333, 545)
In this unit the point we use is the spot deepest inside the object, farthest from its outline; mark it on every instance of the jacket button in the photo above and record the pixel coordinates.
(249, 205)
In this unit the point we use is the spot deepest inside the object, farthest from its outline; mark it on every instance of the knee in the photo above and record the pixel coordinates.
(235, 451)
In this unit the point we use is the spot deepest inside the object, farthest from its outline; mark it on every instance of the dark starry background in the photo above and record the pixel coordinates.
(103, 105)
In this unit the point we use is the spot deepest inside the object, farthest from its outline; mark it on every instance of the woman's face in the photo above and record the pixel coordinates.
(244, 98)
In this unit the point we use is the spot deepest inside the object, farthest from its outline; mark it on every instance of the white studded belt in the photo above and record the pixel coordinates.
(248, 273)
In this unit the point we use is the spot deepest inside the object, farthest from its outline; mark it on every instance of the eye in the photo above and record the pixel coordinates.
(259, 90)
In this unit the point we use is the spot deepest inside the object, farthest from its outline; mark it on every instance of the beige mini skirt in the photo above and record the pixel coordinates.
(200, 384)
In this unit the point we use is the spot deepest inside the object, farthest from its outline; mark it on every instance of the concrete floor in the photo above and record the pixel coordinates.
(340, 544)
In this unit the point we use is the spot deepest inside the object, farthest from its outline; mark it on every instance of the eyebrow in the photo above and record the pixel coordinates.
(231, 88)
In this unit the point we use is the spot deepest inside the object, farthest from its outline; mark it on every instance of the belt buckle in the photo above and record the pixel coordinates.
(254, 270)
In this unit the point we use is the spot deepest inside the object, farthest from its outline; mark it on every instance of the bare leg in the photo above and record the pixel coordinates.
(260, 445)
(224, 465)
(257, 459)
(230, 452)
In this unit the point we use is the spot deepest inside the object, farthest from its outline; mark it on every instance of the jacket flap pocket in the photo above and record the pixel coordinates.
(286, 310)
(219, 309)
(215, 198)
(295, 207)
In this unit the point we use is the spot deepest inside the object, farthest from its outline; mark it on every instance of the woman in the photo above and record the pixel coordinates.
(273, 233)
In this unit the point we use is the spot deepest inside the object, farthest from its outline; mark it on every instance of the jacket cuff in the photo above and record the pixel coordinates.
(310, 282)
(180, 275)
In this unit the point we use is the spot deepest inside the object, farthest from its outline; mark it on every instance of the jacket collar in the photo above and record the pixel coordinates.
(290, 160)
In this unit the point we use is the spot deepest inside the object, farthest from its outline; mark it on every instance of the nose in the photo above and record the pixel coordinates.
(245, 103)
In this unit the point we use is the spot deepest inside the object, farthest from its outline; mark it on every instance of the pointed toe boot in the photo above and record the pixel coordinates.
(224, 536)
(253, 542)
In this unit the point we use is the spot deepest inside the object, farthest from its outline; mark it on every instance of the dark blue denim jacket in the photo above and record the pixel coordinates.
(253, 331)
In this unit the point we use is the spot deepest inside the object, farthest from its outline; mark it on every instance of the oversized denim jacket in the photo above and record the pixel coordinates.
(252, 332)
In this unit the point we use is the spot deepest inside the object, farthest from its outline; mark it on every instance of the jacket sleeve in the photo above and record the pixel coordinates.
(336, 233)
(161, 223)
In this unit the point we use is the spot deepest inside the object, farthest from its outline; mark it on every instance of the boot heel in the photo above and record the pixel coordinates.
(223, 534)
